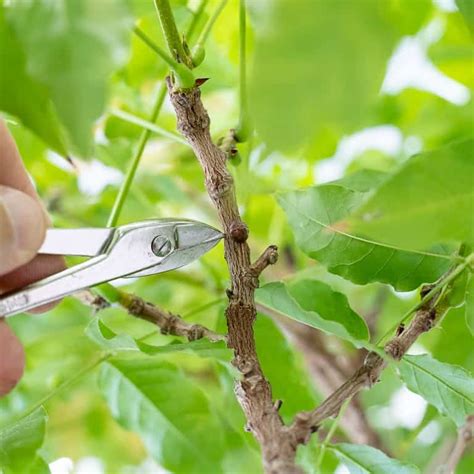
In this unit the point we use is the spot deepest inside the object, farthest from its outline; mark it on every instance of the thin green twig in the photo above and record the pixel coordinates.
(67, 383)
(442, 283)
(148, 125)
(332, 430)
(145, 135)
(210, 23)
(183, 74)
(157, 49)
(243, 128)
(196, 19)
(198, 52)
(243, 58)
(170, 31)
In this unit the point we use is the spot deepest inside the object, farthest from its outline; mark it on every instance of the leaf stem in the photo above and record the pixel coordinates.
(183, 73)
(442, 283)
(145, 135)
(196, 18)
(243, 128)
(198, 52)
(170, 31)
(148, 125)
(152, 45)
(207, 29)
(332, 430)
(67, 383)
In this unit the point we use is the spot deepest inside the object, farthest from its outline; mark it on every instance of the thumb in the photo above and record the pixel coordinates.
(22, 228)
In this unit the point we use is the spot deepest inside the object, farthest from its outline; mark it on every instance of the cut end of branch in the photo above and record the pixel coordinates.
(268, 257)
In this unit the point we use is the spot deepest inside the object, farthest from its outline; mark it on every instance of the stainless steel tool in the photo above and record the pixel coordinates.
(133, 250)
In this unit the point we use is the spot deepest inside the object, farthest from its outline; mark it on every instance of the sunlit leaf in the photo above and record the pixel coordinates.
(20, 94)
(291, 385)
(72, 47)
(448, 387)
(317, 216)
(166, 408)
(316, 304)
(429, 200)
(20, 442)
(362, 459)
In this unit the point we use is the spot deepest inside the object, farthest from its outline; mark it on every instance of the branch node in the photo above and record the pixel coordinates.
(196, 331)
(239, 232)
(136, 306)
(169, 325)
(395, 348)
(219, 186)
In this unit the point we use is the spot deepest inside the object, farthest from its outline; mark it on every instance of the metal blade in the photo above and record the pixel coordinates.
(193, 239)
(81, 242)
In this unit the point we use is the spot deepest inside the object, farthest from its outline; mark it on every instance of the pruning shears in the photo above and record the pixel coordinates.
(130, 251)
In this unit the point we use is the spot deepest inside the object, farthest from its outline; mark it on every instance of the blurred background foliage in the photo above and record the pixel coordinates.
(334, 87)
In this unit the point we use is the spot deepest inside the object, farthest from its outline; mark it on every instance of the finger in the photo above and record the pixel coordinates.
(22, 228)
(41, 267)
(13, 170)
(15, 176)
(12, 359)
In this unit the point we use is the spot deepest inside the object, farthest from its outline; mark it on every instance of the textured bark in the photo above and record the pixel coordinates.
(328, 376)
(167, 322)
(367, 375)
(253, 391)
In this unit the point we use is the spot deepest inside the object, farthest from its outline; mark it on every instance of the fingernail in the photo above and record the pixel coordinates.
(23, 225)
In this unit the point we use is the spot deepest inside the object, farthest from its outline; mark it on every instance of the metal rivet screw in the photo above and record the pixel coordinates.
(161, 246)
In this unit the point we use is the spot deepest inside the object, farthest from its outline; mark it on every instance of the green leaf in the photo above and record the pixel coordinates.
(361, 459)
(466, 7)
(21, 95)
(20, 442)
(469, 304)
(316, 304)
(292, 384)
(72, 47)
(169, 412)
(317, 216)
(447, 387)
(101, 334)
(363, 181)
(320, 64)
(429, 200)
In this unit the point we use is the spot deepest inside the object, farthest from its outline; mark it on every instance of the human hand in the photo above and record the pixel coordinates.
(23, 223)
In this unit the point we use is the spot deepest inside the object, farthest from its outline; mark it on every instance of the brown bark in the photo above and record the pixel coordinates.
(367, 375)
(328, 376)
(253, 391)
(167, 322)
